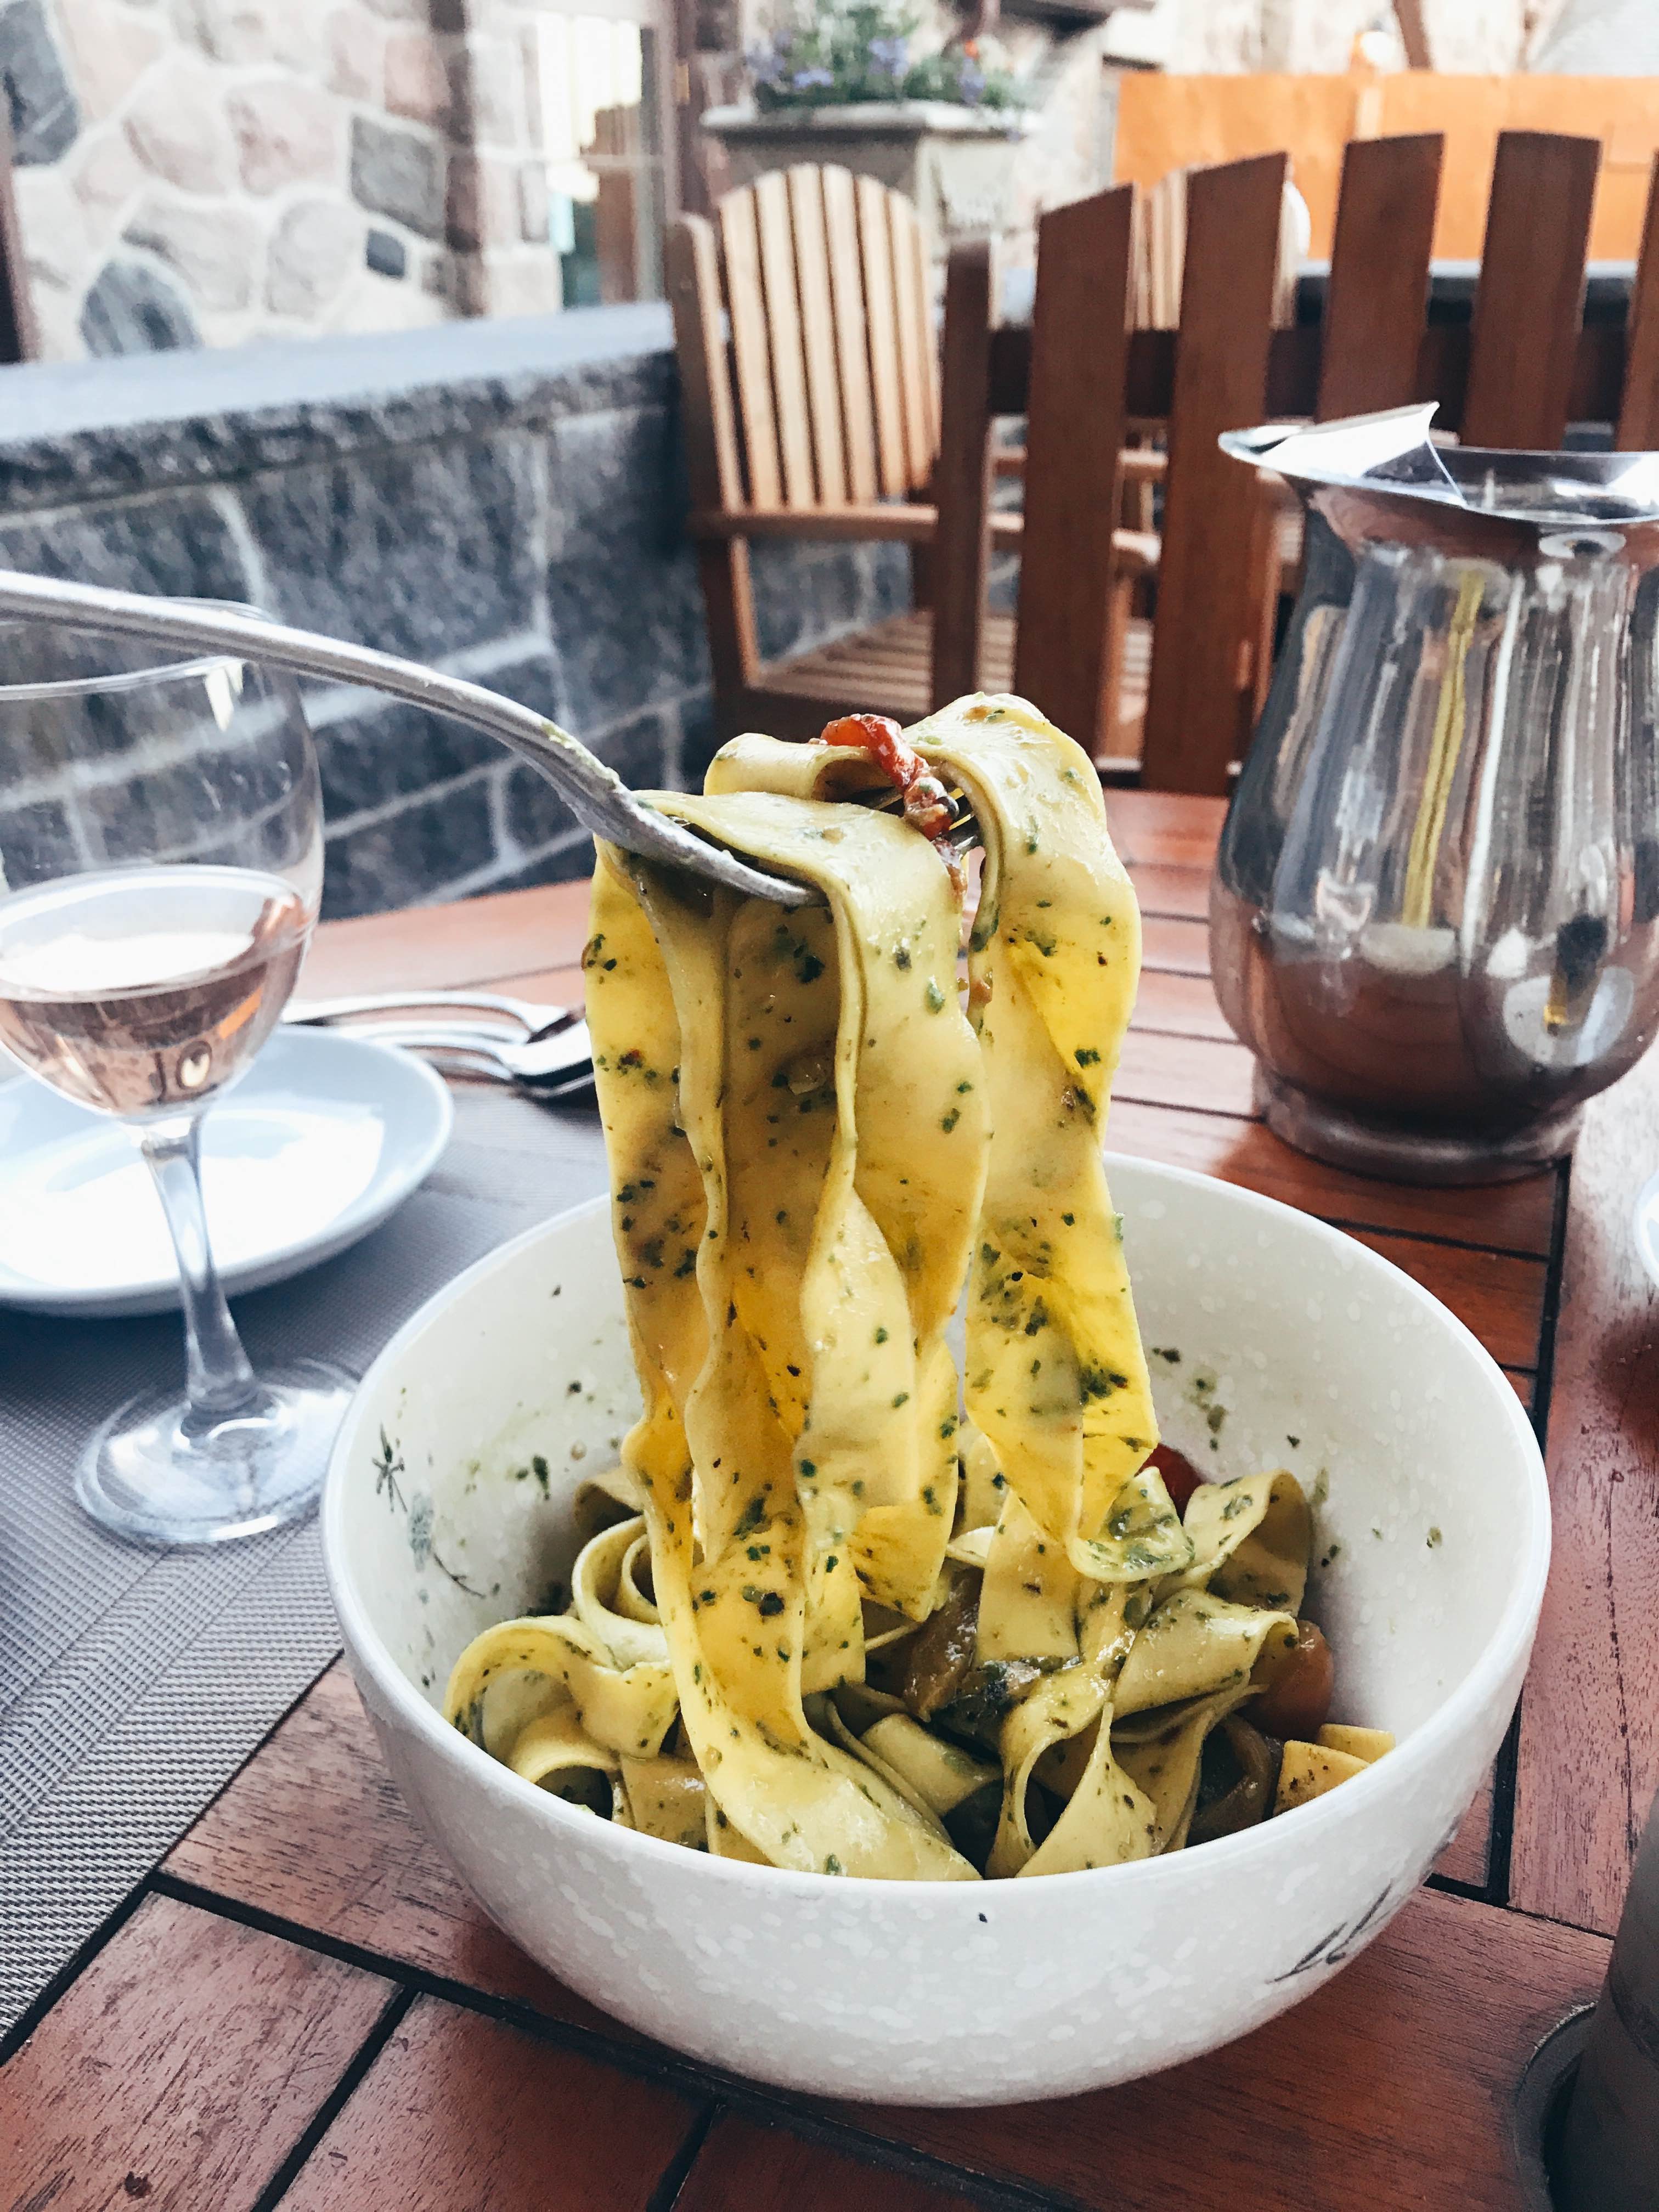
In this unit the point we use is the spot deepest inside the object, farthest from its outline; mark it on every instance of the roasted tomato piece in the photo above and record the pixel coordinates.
(927, 804)
(880, 736)
(1237, 1780)
(1181, 1477)
(940, 1656)
(1296, 1674)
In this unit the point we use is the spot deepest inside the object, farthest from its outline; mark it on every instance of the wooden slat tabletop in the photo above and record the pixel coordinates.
(301, 2007)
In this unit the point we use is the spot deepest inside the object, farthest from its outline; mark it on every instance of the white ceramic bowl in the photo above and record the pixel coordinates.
(447, 1509)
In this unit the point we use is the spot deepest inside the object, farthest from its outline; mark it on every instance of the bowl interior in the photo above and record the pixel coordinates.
(1275, 1341)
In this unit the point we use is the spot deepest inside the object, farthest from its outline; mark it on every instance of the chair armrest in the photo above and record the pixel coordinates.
(906, 523)
(1135, 552)
(910, 523)
(1139, 463)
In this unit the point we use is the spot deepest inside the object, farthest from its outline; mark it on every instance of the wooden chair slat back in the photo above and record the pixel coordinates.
(1637, 427)
(1073, 438)
(783, 331)
(915, 341)
(1287, 269)
(841, 227)
(1160, 254)
(1203, 675)
(1140, 271)
(880, 310)
(750, 353)
(826, 287)
(1377, 297)
(961, 550)
(927, 327)
(818, 330)
(1160, 249)
(1529, 301)
(691, 268)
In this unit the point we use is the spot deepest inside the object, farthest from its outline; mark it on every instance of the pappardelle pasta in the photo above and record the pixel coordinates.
(844, 1610)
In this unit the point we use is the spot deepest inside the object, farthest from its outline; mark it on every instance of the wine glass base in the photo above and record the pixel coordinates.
(148, 1477)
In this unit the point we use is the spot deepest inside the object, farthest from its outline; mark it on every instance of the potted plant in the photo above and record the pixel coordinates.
(854, 83)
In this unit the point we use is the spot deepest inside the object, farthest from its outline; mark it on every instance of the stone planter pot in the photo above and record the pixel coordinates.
(956, 163)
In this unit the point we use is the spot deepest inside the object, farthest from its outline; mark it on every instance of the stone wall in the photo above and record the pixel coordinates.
(506, 500)
(1318, 36)
(224, 170)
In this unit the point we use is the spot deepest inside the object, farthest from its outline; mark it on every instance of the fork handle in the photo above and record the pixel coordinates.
(531, 1017)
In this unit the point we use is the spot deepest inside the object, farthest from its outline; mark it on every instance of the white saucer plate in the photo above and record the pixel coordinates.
(323, 1138)
(1646, 1225)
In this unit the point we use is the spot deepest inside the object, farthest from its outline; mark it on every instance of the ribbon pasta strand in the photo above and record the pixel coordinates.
(853, 1614)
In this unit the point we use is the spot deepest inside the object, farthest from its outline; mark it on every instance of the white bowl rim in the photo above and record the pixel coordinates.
(1419, 1752)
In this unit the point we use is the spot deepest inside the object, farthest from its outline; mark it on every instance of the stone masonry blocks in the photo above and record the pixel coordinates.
(623, 594)
(177, 130)
(45, 114)
(356, 48)
(417, 83)
(179, 543)
(397, 173)
(216, 251)
(287, 132)
(109, 49)
(236, 30)
(426, 550)
(389, 751)
(132, 307)
(314, 249)
(434, 839)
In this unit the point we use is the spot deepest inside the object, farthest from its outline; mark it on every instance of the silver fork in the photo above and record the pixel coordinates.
(595, 795)
(547, 1065)
(531, 1019)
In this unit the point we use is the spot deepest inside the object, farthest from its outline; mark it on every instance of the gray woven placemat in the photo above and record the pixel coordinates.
(133, 1684)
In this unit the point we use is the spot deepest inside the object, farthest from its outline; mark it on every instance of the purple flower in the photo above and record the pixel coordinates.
(811, 80)
(765, 65)
(889, 55)
(970, 83)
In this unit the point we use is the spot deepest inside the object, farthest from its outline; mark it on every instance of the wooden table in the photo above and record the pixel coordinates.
(302, 2007)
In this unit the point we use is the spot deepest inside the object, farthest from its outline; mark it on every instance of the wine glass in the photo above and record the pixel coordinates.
(160, 867)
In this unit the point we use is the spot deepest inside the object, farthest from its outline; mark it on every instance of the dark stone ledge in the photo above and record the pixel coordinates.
(74, 431)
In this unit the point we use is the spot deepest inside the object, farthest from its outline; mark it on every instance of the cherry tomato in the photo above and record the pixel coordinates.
(926, 803)
(1297, 1677)
(1181, 1477)
(880, 736)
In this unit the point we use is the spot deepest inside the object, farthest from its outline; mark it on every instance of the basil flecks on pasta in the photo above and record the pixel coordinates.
(847, 1611)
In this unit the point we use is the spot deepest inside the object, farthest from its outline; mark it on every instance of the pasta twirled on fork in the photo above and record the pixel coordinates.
(863, 1615)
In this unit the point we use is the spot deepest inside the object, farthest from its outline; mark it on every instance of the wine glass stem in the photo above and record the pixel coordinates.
(220, 1380)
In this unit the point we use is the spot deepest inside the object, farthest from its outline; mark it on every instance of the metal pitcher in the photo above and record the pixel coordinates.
(1435, 916)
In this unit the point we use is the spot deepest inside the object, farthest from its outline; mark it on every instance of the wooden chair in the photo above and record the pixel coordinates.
(1081, 375)
(1157, 259)
(1158, 253)
(1515, 377)
(824, 419)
